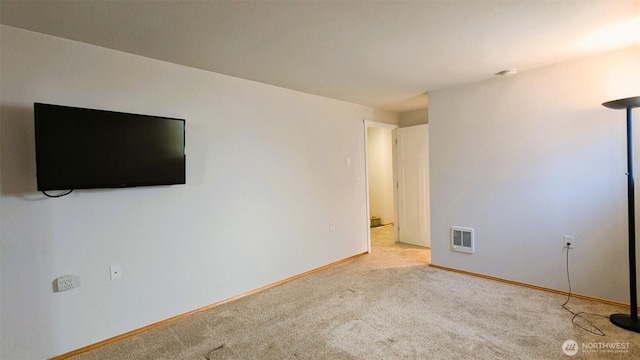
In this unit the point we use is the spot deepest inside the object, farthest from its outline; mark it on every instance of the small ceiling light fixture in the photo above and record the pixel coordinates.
(508, 72)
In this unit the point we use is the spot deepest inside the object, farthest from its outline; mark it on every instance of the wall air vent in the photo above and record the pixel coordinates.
(462, 240)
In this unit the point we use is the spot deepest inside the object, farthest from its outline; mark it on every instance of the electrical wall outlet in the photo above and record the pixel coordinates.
(116, 272)
(67, 282)
(568, 241)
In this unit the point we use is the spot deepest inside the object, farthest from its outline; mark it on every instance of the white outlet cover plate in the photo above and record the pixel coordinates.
(116, 272)
(568, 238)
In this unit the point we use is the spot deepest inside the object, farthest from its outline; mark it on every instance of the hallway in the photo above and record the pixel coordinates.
(382, 241)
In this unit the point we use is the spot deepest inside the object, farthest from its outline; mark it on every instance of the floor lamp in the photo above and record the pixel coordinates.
(629, 322)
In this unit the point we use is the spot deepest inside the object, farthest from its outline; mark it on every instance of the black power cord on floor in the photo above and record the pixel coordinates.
(580, 314)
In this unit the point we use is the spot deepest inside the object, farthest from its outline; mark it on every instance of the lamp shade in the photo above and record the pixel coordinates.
(626, 103)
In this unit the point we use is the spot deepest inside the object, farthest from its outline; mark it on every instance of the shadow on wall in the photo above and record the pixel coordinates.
(17, 152)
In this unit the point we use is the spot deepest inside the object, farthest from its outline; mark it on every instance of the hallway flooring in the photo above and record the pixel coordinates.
(382, 241)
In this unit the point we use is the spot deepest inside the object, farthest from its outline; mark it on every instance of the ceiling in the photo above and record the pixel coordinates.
(384, 54)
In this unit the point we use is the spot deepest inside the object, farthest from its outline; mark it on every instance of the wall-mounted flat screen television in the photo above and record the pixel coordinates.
(80, 148)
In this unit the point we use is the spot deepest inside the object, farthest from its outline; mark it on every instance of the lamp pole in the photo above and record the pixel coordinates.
(629, 321)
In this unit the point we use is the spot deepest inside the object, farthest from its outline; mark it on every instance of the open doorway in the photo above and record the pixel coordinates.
(380, 177)
(397, 173)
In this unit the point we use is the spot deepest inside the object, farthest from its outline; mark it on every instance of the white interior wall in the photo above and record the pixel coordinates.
(266, 174)
(380, 168)
(525, 160)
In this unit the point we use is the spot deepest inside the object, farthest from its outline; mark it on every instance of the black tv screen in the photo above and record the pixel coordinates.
(80, 148)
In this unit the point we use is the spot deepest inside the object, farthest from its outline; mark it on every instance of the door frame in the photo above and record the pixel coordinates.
(367, 124)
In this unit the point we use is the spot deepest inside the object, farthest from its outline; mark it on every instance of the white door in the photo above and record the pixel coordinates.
(413, 185)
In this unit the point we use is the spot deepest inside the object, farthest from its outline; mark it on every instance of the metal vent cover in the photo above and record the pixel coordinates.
(462, 240)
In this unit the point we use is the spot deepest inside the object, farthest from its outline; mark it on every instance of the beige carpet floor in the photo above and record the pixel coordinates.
(385, 305)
